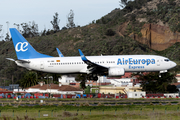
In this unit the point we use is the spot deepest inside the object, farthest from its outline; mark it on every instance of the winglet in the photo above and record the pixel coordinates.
(59, 53)
(82, 55)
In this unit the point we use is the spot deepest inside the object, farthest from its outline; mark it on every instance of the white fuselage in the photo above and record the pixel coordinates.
(130, 63)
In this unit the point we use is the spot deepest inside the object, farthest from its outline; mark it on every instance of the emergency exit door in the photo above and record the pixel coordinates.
(42, 65)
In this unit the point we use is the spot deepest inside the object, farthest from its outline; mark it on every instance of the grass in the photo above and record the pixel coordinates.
(86, 108)
(120, 112)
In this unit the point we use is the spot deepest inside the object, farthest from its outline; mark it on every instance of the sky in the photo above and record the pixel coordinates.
(42, 11)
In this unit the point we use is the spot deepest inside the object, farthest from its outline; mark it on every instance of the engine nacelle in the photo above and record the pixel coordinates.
(116, 71)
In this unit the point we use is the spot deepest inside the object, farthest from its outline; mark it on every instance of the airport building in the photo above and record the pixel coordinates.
(52, 89)
(124, 85)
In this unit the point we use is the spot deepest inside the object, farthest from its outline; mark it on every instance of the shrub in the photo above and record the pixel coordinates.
(100, 104)
(86, 104)
(110, 32)
(151, 103)
(60, 103)
(67, 114)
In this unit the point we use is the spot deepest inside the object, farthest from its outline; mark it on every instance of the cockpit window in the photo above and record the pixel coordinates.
(167, 60)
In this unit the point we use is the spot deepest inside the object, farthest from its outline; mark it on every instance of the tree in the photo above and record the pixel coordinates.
(7, 38)
(34, 29)
(110, 32)
(55, 22)
(29, 79)
(26, 30)
(55, 77)
(43, 33)
(17, 26)
(1, 36)
(82, 78)
(123, 3)
(172, 89)
(70, 18)
(30, 30)
(153, 83)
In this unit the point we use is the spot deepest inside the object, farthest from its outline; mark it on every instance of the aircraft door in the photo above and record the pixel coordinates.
(106, 63)
(158, 62)
(42, 65)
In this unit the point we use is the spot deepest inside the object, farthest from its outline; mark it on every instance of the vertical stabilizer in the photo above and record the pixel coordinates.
(22, 47)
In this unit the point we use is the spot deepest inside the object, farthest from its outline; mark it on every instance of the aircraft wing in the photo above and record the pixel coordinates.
(93, 67)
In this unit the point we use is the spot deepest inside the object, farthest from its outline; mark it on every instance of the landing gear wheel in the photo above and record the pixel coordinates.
(92, 77)
(95, 78)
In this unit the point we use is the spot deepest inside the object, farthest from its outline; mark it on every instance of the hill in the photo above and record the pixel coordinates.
(142, 27)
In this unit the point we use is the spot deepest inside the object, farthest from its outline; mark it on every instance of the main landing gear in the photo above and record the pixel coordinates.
(92, 77)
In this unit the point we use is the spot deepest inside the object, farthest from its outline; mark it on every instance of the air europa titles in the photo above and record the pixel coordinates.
(135, 63)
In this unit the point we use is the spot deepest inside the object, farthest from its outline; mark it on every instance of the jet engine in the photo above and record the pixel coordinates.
(116, 71)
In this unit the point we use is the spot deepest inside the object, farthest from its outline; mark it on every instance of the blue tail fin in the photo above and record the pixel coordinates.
(22, 47)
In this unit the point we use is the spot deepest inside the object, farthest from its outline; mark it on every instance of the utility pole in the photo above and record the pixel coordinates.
(7, 27)
(12, 79)
(99, 83)
(1, 37)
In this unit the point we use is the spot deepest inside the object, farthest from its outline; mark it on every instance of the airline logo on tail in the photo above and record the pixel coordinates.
(21, 46)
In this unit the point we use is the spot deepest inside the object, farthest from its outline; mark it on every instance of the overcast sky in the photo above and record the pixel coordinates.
(42, 11)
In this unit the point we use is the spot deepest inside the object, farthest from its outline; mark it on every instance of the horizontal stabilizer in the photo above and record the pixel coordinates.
(22, 61)
(10, 59)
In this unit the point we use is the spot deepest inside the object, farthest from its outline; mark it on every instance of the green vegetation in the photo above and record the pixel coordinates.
(92, 112)
(152, 83)
(29, 79)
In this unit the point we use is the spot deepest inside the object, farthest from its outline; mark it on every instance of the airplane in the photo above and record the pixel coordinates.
(93, 66)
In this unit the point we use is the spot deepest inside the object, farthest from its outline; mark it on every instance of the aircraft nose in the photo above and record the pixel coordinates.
(173, 64)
